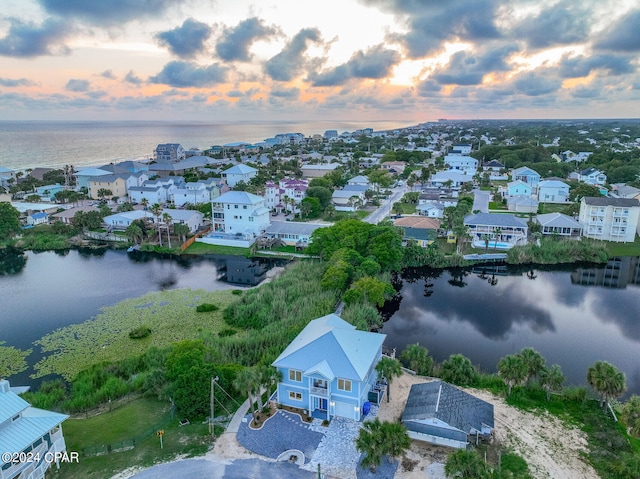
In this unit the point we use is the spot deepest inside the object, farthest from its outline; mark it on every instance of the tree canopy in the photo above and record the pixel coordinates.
(9, 220)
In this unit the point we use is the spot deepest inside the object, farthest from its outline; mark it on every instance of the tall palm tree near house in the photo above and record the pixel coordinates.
(268, 376)
(389, 368)
(145, 204)
(496, 236)
(466, 464)
(606, 380)
(513, 371)
(134, 233)
(156, 210)
(167, 219)
(247, 380)
(370, 442)
(551, 379)
(534, 362)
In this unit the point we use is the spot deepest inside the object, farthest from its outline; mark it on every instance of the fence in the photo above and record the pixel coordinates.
(127, 444)
(192, 240)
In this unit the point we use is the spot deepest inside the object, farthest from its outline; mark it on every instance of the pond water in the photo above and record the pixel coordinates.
(51, 290)
(573, 316)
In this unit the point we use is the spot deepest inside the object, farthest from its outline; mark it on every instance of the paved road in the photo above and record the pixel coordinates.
(480, 201)
(384, 209)
(236, 469)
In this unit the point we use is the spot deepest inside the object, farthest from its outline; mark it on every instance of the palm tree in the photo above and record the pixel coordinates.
(397, 208)
(246, 380)
(395, 438)
(466, 464)
(496, 232)
(305, 209)
(330, 210)
(606, 380)
(166, 219)
(534, 362)
(631, 415)
(389, 368)
(458, 370)
(417, 358)
(156, 209)
(134, 233)
(551, 379)
(513, 371)
(181, 230)
(371, 443)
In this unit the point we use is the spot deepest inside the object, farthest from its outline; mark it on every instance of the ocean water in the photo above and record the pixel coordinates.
(30, 144)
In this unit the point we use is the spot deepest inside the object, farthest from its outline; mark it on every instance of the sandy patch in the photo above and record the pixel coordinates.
(551, 448)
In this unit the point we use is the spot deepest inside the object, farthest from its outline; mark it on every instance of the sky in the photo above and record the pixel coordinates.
(238, 60)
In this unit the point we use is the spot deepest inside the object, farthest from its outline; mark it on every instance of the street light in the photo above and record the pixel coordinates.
(213, 381)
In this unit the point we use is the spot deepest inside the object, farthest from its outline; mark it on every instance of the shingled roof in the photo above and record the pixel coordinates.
(439, 401)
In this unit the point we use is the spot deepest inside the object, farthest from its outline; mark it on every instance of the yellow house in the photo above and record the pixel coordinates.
(117, 186)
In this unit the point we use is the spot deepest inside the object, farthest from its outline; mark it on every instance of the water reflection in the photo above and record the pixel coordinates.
(12, 261)
(490, 311)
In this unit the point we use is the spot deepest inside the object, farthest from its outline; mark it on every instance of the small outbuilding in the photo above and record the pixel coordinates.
(440, 413)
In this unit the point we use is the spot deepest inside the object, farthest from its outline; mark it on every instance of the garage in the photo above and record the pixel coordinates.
(345, 409)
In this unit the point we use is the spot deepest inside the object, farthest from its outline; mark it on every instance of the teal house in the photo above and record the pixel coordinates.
(329, 369)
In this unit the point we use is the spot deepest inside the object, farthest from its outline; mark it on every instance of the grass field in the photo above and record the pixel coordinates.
(204, 248)
(123, 424)
(623, 249)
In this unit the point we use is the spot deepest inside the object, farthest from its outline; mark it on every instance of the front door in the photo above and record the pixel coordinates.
(322, 405)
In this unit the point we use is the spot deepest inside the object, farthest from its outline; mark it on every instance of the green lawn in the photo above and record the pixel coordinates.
(545, 208)
(623, 249)
(204, 248)
(493, 205)
(124, 424)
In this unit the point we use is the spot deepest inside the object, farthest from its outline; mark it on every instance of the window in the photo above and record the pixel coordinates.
(295, 396)
(344, 384)
(244, 207)
(250, 218)
(235, 206)
(295, 375)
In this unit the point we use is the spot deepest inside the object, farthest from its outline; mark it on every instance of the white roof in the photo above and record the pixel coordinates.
(240, 170)
(558, 220)
(239, 197)
(552, 184)
(92, 172)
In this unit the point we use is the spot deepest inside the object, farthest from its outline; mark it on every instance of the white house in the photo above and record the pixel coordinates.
(153, 194)
(37, 219)
(318, 171)
(238, 219)
(120, 221)
(593, 176)
(464, 164)
(559, 224)
(26, 429)
(609, 219)
(192, 218)
(346, 200)
(504, 230)
(494, 168)
(359, 180)
(238, 173)
(522, 204)
(288, 190)
(455, 178)
(192, 193)
(553, 191)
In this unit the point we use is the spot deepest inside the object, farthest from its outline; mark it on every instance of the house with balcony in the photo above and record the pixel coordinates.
(26, 429)
(516, 188)
(553, 191)
(287, 194)
(86, 174)
(239, 218)
(609, 219)
(169, 153)
(464, 164)
(329, 369)
(505, 230)
(238, 173)
(526, 175)
(560, 225)
(495, 170)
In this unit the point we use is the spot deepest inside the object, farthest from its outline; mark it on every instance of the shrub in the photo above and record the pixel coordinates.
(227, 332)
(206, 307)
(237, 292)
(140, 332)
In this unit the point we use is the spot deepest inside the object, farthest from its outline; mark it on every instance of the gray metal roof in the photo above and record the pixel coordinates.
(449, 404)
(292, 227)
(604, 201)
(495, 219)
(558, 220)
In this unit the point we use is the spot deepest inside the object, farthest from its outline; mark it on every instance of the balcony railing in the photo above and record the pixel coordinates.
(320, 391)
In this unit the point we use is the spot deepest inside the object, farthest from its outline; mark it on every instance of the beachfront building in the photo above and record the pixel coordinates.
(504, 230)
(85, 175)
(169, 153)
(7, 176)
(239, 173)
(329, 368)
(609, 219)
(29, 430)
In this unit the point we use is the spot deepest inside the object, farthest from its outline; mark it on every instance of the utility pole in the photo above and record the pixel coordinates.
(213, 381)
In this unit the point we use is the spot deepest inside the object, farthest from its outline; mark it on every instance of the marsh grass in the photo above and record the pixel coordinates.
(170, 314)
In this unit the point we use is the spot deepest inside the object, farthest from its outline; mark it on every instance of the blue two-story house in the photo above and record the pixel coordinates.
(526, 175)
(329, 368)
